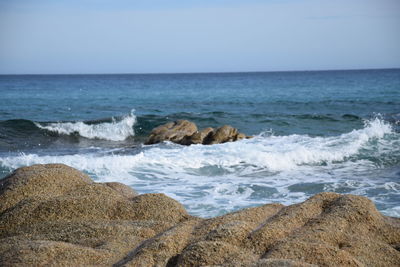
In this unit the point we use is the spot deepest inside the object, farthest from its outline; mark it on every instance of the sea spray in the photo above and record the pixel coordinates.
(211, 180)
(313, 115)
(116, 130)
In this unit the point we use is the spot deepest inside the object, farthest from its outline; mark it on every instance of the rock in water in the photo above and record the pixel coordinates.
(55, 215)
(184, 132)
(200, 137)
(224, 134)
(172, 131)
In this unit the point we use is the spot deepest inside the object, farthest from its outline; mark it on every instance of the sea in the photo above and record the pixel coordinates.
(314, 131)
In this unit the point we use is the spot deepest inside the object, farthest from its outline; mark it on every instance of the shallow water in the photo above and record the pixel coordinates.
(314, 131)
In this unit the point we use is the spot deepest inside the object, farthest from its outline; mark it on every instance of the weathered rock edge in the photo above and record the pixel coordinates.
(55, 215)
(184, 132)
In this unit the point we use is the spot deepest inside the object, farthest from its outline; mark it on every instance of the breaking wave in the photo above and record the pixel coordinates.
(267, 168)
(116, 130)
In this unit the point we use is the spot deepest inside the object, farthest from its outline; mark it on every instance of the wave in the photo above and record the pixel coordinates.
(17, 126)
(116, 130)
(275, 153)
(266, 168)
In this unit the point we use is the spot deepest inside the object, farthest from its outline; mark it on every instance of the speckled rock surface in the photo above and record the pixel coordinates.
(55, 215)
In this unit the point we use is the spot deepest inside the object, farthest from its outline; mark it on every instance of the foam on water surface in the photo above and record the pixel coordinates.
(211, 180)
(116, 130)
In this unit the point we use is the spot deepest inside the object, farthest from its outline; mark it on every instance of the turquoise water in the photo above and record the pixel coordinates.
(314, 131)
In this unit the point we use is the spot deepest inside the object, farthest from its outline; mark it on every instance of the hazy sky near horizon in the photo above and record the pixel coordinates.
(109, 36)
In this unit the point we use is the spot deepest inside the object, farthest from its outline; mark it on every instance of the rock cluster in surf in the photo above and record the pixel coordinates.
(186, 133)
(55, 215)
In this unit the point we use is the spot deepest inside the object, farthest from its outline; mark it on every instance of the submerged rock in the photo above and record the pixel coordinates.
(184, 132)
(55, 215)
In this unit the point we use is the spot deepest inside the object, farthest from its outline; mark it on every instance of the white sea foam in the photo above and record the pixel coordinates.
(275, 153)
(213, 179)
(116, 130)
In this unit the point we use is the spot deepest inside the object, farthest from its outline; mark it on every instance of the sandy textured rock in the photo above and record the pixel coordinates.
(158, 207)
(53, 208)
(122, 189)
(206, 253)
(281, 263)
(44, 181)
(163, 249)
(45, 253)
(55, 215)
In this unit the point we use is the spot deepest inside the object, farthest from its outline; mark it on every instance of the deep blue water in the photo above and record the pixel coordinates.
(315, 131)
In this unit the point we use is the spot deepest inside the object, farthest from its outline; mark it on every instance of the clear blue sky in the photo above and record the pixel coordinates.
(111, 36)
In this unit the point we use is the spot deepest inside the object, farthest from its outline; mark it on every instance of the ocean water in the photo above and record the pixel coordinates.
(314, 132)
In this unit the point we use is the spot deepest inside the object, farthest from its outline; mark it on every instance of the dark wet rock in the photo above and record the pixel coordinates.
(172, 131)
(224, 134)
(55, 215)
(185, 133)
(241, 136)
(199, 137)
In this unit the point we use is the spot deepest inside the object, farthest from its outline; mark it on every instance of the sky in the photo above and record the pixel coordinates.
(159, 36)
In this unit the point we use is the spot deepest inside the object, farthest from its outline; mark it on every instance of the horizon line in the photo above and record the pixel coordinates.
(199, 72)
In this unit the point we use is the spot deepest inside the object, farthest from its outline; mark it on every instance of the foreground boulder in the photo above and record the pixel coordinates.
(55, 215)
(185, 133)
